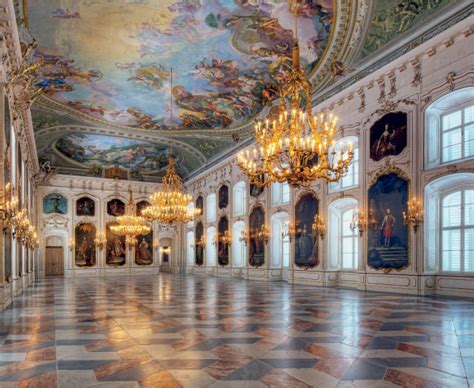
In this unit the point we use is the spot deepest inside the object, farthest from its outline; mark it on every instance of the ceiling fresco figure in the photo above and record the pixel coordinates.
(110, 60)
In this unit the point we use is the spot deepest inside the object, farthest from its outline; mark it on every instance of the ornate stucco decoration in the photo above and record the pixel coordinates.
(55, 221)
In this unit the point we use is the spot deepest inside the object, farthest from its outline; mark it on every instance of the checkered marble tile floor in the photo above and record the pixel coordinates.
(171, 331)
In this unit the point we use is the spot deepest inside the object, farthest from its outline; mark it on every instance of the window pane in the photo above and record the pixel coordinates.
(469, 140)
(451, 254)
(469, 114)
(346, 221)
(286, 193)
(452, 120)
(452, 210)
(347, 260)
(469, 207)
(469, 250)
(452, 145)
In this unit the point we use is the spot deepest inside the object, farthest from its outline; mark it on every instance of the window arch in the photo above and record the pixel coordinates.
(239, 249)
(211, 250)
(190, 247)
(239, 200)
(343, 241)
(211, 208)
(449, 128)
(280, 194)
(449, 224)
(351, 179)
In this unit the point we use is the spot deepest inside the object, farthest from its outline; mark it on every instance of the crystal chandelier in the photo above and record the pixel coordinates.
(130, 225)
(170, 205)
(295, 146)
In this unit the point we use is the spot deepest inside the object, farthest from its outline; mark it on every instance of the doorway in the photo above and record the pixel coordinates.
(54, 257)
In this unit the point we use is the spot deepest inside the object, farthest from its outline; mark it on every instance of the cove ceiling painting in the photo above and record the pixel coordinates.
(105, 72)
(112, 59)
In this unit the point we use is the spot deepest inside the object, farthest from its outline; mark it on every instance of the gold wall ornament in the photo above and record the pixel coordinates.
(414, 214)
(289, 230)
(359, 221)
(296, 146)
(8, 205)
(319, 227)
(100, 240)
(244, 236)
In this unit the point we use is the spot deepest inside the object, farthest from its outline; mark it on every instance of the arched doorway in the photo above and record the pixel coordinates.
(54, 256)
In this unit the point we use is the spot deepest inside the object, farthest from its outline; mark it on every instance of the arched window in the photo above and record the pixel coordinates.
(351, 179)
(190, 247)
(239, 249)
(449, 128)
(280, 194)
(190, 224)
(279, 223)
(449, 224)
(211, 208)
(343, 241)
(211, 249)
(457, 231)
(239, 199)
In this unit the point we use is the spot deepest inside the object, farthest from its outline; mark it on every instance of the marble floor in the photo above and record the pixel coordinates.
(171, 331)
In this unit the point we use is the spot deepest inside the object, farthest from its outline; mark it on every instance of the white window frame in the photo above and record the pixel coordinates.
(354, 168)
(462, 127)
(354, 240)
(280, 194)
(462, 228)
(239, 193)
(211, 208)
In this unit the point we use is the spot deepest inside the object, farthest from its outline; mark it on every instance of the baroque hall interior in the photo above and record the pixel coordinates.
(236, 193)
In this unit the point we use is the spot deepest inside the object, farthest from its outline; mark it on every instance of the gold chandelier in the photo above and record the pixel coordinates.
(170, 205)
(130, 225)
(295, 146)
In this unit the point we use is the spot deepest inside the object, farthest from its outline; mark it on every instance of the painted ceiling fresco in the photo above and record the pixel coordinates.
(112, 59)
(107, 67)
(393, 18)
(85, 153)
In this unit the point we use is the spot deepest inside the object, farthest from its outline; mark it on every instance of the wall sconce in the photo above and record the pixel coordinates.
(359, 221)
(225, 238)
(156, 244)
(319, 228)
(289, 231)
(215, 239)
(414, 214)
(244, 236)
(264, 234)
(201, 242)
(9, 205)
(100, 241)
(71, 244)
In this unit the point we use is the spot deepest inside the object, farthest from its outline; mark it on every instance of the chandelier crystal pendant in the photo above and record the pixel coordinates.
(130, 225)
(170, 205)
(295, 146)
